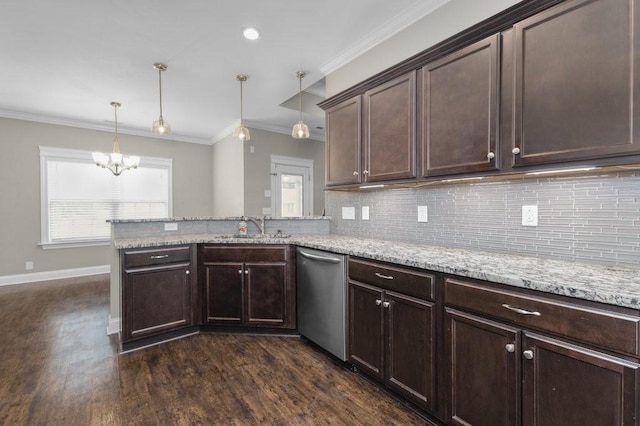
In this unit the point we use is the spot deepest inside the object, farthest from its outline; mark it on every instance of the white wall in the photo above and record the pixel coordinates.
(20, 189)
(228, 177)
(444, 22)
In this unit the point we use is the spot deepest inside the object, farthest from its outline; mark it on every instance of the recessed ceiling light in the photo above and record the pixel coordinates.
(251, 33)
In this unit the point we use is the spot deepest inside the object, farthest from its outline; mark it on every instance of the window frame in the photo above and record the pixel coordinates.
(81, 156)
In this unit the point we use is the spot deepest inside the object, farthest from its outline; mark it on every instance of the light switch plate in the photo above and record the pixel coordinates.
(423, 214)
(349, 213)
(529, 215)
(365, 212)
(267, 193)
(173, 226)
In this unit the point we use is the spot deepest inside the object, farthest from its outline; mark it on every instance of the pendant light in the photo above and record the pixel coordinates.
(300, 130)
(160, 126)
(241, 133)
(115, 162)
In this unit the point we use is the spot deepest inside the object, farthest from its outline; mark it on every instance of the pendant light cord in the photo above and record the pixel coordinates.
(300, 94)
(241, 81)
(160, 89)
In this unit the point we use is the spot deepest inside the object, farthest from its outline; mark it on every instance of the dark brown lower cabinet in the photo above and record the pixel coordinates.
(566, 384)
(391, 339)
(157, 291)
(502, 375)
(248, 286)
(484, 385)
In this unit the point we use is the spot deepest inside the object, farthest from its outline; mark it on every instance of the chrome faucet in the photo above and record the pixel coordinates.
(258, 222)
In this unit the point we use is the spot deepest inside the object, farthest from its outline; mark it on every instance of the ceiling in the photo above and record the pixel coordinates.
(63, 62)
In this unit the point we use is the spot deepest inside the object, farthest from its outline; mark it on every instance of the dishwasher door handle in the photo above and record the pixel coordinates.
(319, 258)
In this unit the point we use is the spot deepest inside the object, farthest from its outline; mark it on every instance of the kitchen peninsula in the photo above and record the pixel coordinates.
(584, 313)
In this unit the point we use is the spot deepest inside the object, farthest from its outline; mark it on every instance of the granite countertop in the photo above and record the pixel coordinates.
(614, 286)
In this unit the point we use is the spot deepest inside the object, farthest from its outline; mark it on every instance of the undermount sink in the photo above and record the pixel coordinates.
(255, 236)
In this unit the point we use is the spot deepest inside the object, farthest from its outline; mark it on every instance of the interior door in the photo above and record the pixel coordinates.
(292, 193)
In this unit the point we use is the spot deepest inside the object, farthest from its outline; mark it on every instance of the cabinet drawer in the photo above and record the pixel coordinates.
(156, 256)
(402, 280)
(610, 330)
(244, 253)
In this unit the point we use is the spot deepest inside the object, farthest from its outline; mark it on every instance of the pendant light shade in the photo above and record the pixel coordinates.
(116, 162)
(300, 130)
(160, 126)
(241, 132)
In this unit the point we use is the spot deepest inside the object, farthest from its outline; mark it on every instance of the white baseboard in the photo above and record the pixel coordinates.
(53, 275)
(114, 325)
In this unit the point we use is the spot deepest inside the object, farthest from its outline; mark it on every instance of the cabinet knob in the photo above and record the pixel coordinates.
(515, 151)
(246, 272)
(491, 156)
(528, 354)
(378, 302)
(366, 172)
(510, 347)
(187, 272)
(355, 173)
(386, 304)
(239, 271)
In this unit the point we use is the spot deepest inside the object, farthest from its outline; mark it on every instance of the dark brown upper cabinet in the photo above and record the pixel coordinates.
(576, 75)
(390, 130)
(343, 146)
(460, 110)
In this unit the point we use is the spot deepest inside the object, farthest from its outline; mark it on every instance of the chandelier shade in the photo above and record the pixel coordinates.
(116, 162)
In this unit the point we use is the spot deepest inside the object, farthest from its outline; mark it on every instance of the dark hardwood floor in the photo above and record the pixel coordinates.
(58, 367)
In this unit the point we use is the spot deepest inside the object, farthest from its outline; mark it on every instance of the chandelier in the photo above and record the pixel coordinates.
(115, 161)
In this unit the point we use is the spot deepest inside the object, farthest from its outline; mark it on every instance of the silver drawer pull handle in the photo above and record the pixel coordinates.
(528, 354)
(510, 347)
(521, 311)
(378, 302)
(386, 277)
(160, 256)
(386, 304)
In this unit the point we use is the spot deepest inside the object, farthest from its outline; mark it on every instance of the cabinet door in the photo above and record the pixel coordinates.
(366, 328)
(266, 294)
(390, 130)
(565, 384)
(156, 299)
(410, 349)
(460, 110)
(484, 371)
(343, 147)
(576, 83)
(223, 293)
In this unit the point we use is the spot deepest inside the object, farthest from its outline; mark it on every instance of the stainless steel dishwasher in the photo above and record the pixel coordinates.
(322, 299)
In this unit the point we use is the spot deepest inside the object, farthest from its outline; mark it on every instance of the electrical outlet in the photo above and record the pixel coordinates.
(28, 265)
(266, 210)
(529, 215)
(423, 214)
(365, 212)
(349, 213)
(173, 226)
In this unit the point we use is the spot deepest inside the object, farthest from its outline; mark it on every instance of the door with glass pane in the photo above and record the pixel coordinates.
(291, 190)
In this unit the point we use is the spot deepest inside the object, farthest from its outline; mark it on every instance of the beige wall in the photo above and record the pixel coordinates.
(446, 21)
(228, 177)
(20, 189)
(257, 167)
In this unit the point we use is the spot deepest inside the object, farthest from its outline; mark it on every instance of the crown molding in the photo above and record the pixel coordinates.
(64, 121)
(401, 21)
